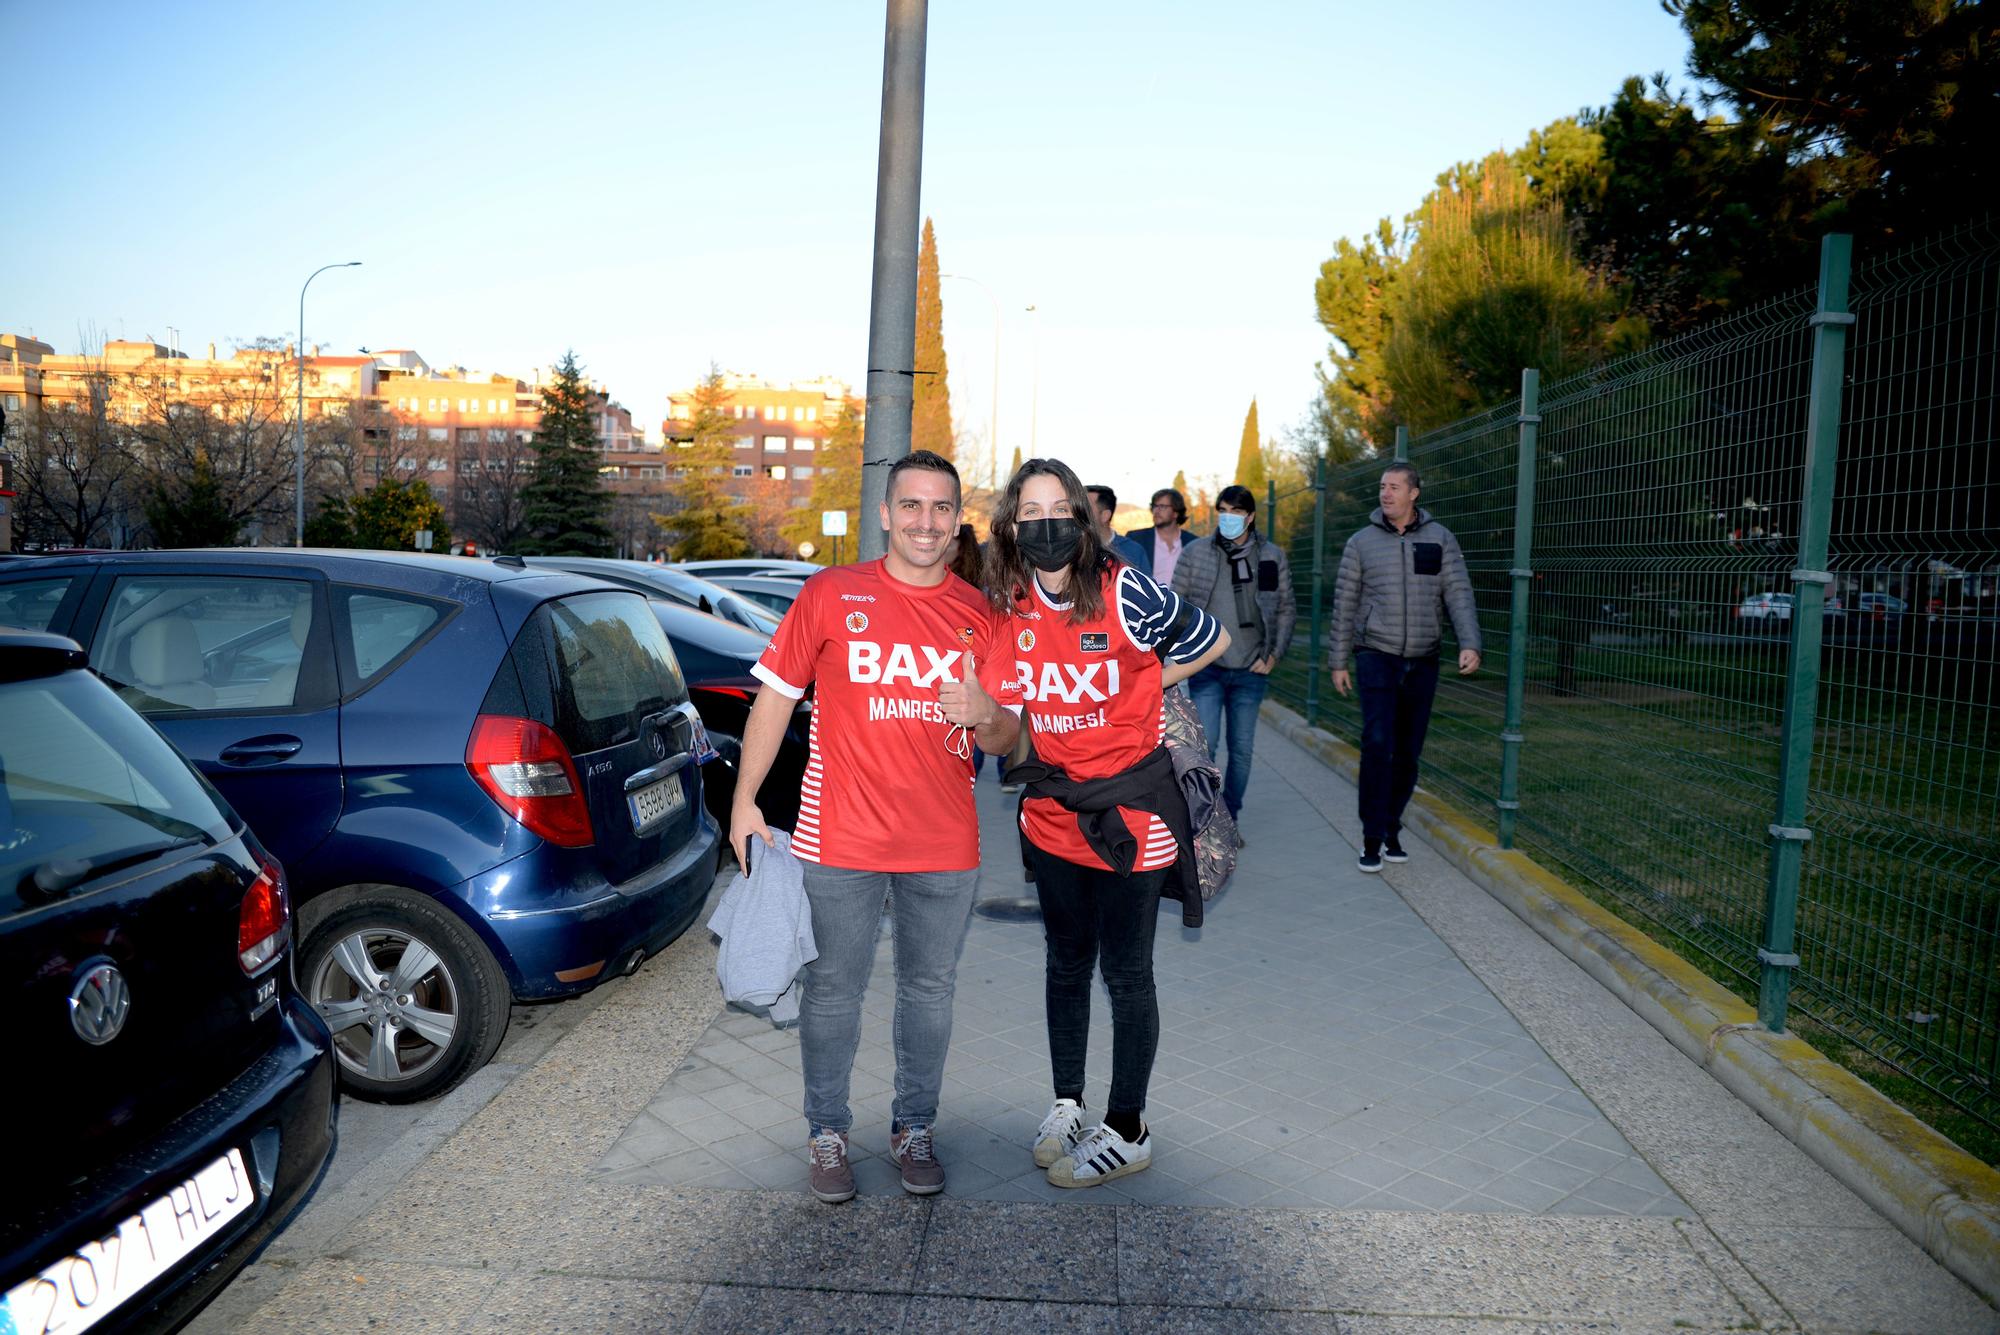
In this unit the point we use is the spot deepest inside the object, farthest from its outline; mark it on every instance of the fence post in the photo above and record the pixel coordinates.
(1402, 444)
(1270, 511)
(1778, 955)
(1314, 650)
(1517, 609)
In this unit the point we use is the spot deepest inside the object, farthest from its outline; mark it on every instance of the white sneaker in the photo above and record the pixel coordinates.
(1101, 1156)
(1059, 1132)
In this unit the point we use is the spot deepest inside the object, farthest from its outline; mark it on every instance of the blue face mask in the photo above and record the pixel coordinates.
(1232, 526)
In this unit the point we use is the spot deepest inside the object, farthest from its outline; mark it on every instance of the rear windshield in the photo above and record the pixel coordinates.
(612, 668)
(31, 603)
(87, 788)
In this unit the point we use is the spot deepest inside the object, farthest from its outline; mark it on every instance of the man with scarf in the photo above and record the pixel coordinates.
(1244, 582)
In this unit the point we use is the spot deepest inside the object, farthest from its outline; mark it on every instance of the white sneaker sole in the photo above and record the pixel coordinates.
(1123, 1170)
(1050, 1150)
(1375, 870)
(833, 1197)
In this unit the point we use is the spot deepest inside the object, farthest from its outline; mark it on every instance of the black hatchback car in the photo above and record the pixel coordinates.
(172, 1092)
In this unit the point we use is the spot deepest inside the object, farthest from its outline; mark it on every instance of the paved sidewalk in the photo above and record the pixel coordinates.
(1320, 1046)
(1384, 1105)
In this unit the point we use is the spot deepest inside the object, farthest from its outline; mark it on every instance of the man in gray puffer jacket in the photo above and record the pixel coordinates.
(1399, 578)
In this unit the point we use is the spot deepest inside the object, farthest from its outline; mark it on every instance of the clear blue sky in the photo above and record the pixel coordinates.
(659, 186)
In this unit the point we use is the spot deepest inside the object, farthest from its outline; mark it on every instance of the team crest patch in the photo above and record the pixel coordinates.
(1094, 642)
(965, 636)
(1026, 640)
(857, 622)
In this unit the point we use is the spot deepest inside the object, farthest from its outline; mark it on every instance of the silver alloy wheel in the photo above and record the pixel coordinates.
(390, 1001)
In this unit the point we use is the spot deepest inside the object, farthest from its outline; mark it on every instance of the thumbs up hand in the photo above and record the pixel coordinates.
(966, 702)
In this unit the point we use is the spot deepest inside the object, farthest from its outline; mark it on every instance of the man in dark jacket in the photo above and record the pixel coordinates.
(1399, 578)
(1243, 581)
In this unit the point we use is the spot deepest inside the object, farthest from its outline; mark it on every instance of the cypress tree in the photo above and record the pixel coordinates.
(1250, 471)
(564, 505)
(930, 408)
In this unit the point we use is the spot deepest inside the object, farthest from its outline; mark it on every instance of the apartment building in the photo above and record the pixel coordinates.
(780, 427)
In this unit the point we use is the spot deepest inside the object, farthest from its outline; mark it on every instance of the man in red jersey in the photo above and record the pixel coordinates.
(887, 802)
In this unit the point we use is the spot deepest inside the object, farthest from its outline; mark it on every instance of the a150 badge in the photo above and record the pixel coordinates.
(857, 622)
(1026, 640)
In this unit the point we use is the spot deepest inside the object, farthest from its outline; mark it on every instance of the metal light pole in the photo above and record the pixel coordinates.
(993, 425)
(1035, 392)
(299, 431)
(892, 300)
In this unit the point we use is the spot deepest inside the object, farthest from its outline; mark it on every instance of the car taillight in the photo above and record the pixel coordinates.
(264, 924)
(526, 770)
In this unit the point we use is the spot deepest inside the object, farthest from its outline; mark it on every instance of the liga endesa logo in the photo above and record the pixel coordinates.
(856, 622)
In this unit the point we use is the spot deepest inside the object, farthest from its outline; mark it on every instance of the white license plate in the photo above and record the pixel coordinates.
(89, 1284)
(655, 802)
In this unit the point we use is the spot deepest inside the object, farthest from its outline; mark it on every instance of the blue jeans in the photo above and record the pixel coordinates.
(932, 910)
(1396, 695)
(1238, 692)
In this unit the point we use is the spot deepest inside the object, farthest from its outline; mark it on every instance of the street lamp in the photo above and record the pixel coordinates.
(993, 425)
(299, 434)
(1035, 392)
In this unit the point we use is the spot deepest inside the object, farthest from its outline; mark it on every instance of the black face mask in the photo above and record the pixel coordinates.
(1049, 544)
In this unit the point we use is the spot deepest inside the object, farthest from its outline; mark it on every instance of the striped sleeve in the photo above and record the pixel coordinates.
(1147, 612)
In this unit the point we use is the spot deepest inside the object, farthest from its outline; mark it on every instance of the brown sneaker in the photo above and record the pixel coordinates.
(832, 1179)
(913, 1152)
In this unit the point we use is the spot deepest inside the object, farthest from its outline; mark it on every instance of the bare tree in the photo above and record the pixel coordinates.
(487, 502)
(76, 472)
(239, 432)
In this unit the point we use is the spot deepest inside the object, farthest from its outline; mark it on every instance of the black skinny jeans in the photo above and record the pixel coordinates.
(1095, 918)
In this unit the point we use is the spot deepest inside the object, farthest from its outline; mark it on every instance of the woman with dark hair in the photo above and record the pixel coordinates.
(963, 557)
(1106, 828)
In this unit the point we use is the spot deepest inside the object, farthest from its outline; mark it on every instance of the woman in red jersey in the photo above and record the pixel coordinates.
(1103, 819)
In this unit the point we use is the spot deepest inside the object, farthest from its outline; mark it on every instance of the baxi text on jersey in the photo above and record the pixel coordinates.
(867, 664)
(1071, 683)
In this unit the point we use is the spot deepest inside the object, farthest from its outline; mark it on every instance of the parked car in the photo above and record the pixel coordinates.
(773, 593)
(1766, 607)
(716, 658)
(752, 565)
(173, 1092)
(662, 581)
(484, 778)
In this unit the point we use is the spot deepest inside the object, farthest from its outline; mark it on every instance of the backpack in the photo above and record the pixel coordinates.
(1200, 779)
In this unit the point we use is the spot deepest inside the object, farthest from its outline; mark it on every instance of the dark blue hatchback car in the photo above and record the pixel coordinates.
(483, 781)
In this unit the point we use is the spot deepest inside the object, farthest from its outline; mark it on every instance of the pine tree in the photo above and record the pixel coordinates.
(1250, 471)
(836, 486)
(1180, 483)
(1016, 465)
(565, 505)
(192, 515)
(930, 409)
(706, 522)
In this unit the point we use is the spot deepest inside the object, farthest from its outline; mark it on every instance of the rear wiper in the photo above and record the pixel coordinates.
(55, 878)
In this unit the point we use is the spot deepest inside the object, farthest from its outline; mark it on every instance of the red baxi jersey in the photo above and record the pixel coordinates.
(883, 790)
(1090, 692)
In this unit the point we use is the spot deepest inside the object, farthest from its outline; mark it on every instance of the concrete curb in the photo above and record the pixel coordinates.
(1945, 1200)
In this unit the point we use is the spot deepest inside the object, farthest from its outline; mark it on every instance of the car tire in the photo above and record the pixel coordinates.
(440, 1017)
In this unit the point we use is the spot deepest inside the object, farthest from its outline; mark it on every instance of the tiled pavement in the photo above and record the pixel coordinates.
(1320, 1048)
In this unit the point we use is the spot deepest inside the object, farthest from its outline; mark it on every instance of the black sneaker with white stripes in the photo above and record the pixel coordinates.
(1101, 1156)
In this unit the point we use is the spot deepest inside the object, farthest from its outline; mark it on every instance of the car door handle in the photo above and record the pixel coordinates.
(261, 750)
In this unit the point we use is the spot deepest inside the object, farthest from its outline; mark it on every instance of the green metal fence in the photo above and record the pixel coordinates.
(1740, 662)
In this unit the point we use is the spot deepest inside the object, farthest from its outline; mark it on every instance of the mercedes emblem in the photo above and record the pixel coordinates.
(659, 745)
(98, 1004)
